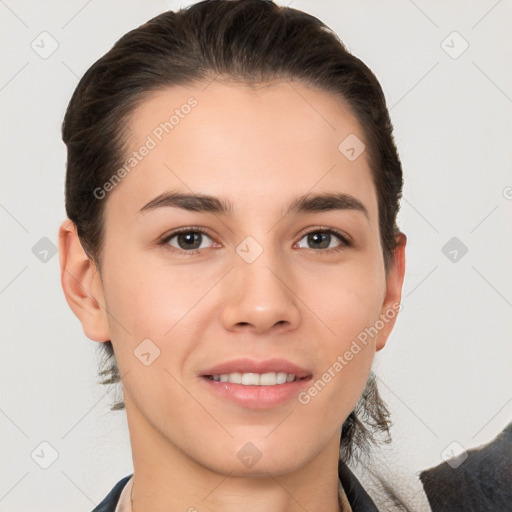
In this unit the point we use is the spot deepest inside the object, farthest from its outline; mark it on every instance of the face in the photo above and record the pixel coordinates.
(255, 274)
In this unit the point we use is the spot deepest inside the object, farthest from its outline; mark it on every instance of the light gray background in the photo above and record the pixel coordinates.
(445, 371)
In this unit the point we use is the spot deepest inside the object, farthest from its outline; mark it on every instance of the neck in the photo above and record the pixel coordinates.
(167, 479)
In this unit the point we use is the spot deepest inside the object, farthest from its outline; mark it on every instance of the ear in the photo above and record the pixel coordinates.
(81, 282)
(394, 283)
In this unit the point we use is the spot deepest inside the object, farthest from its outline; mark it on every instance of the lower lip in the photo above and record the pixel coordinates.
(257, 397)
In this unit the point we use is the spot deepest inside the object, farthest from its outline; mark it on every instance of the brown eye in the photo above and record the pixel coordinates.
(188, 240)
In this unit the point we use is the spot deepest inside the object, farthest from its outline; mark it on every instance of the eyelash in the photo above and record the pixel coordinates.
(343, 239)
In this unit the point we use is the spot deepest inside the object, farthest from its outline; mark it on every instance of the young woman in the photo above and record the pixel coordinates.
(232, 190)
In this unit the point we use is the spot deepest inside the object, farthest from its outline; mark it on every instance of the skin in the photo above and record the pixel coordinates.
(259, 147)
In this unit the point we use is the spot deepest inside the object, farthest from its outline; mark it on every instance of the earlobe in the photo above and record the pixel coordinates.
(392, 300)
(81, 284)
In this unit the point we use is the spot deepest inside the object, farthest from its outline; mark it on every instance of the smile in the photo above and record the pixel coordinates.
(255, 379)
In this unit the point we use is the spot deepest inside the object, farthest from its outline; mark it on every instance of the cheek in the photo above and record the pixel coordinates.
(167, 306)
(347, 358)
(347, 305)
(149, 309)
(345, 301)
(149, 300)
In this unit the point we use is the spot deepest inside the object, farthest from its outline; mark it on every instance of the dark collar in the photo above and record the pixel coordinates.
(356, 495)
(110, 502)
(358, 498)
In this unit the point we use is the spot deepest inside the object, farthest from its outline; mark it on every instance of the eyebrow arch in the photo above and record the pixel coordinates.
(206, 203)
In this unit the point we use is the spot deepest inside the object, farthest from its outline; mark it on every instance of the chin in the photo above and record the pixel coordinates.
(253, 459)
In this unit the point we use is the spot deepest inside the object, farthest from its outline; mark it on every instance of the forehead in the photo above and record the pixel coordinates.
(264, 144)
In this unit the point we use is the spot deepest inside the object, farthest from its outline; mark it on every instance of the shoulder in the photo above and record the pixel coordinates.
(112, 498)
(477, 480)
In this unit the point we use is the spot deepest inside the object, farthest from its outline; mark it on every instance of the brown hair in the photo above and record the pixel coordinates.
(246, 41)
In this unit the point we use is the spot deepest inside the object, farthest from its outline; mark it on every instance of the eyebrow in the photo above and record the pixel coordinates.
(206, 203)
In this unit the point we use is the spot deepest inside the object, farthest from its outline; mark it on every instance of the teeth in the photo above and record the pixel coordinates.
(255, 379)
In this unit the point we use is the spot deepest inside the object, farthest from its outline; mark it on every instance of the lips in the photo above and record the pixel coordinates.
(237, 381)
(261, 367)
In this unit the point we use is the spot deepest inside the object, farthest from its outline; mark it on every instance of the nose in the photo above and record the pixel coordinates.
(260, 297)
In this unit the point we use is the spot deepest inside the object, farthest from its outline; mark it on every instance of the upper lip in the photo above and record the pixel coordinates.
(253, 366)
